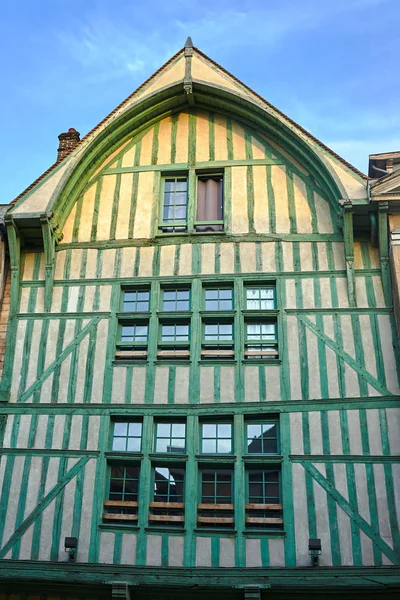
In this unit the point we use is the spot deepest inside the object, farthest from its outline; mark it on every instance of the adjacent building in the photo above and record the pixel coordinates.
(200, 392)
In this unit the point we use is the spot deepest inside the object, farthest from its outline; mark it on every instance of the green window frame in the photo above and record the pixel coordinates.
(174, 207)
(123, 493)
(176, 333)
(136, 300)
(127, 436)
(218, 298)
(134, 333)
(263, 507)
(177, 299)
(216, 438)
(167, 508)
(220, 332)
(216, 509)
(262, 437)
(261, 339)
(170, 437)
(260, 298)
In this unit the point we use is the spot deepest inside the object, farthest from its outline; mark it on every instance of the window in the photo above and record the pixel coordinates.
(217, 299)
(216, 438)
(136, 301)
(261, 341)
(136, 333)
(122, 503)
(217, 343)
(264, 507)
(174, 341)
(209, 215)
(262, 438)
(174, 209)
(168, 505)
(127, 437)
(170, 437)
(176, 300)
(133, 325)
(260, 298)
(216, 507)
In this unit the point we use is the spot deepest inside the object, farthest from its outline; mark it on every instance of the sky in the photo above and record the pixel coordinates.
(330, 65)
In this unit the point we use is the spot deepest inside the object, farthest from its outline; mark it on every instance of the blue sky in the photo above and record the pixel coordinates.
(331, 65)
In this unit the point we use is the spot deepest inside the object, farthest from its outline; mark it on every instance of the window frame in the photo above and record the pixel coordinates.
(216, 422)
(252, 421)
(184, 225)
(171, 423)
(274, 522)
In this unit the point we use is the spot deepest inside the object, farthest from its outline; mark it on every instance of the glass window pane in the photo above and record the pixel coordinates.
(209, 446)
(254, 446)
(225, 294)
(224, 430)
(253, 431)
(119, 444)
(162, 445)
(178, 430)
(120, 428)
(133, 445)
(181, 185)
(209, 430)
(270, 446)
(224, 446)
(163, 429)
(211, 294)
(178, 443)
(225, 305)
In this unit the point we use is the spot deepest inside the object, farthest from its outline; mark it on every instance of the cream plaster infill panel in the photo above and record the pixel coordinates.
(38, 200)
(355, 188)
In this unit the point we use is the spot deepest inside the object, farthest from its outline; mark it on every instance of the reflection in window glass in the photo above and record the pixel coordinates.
(260, 298)
(216, 438)
(176, 300)
(124, 483)
(261, 332)
(174, 333)
(216, 487)
(218, 331)
(169, 484)
(262, 438)
(127, 437)
(218, 299)
(264, 487)
(136, 301)
(134, 333)
(170, 437)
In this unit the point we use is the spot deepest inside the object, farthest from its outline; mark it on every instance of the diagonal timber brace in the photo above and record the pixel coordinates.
(346, 357)
(352, 512)
(17, 535)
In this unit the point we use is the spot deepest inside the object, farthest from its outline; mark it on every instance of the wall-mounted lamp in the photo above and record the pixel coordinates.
(314, 549)
(71, 546)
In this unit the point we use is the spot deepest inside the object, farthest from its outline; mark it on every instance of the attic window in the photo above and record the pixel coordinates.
(209, 216)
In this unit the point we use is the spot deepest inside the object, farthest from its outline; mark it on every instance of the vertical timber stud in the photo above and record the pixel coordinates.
(188, 81)
(383, 208)
(349, 249)
(49, 246)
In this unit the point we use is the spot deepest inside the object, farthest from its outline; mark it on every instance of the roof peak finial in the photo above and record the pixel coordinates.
(189, 43)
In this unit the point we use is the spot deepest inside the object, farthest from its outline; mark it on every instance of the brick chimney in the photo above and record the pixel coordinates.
(68, 141)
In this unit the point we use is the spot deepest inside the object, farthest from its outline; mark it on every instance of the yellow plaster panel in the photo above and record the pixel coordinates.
(164, 142)
(76, 259)
(28, 267)
(261, 213)
(38, 200)
(185, 260)
(303, 212)
(174, 73)
(227, 258)
(124, 206)
(107, 267)
(257, 148)
(285, 154)
(358, 261)
(268, 256)
(220, 138)
(209, 73)
(105, 207)
(208, 259)
(278, 179)
(146, 147)
(248, 257)
(128, 157)
(146, 261)
(323, 214)
(108, 162)
(167, 260)
(69, 226)
(355, 187)
(91, 263)
(374, 257)
(182, 138)
(142, 226)
(240, 222)
(85, 223)
(128, 261)
(202, 137)
(238, 141)
(306, 256)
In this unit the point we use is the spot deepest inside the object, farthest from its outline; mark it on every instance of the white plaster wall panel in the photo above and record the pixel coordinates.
(26, 544)
(208, 259)
(321, 512)
(227, 258)
(206, 385)
(240, 222)
(76, 261)
(331, 359)
(23, 434)
(24, 300)
(323, 214)
(88, 301)
(8, 431)
(382, 504)
(105, 207)
(138, 385)
(361, 292)
(73, 295)
(378, 290)
(91, 263)
(278, 180)
(124, 205)
(128, 261)
(51, 346)
(108, 262)
(338, 256)
(76, 431)
(46, 531)
(268, 250)
(86, 217)
(300, 515)
(287, 252)
(59, 265)
(181, 393)
(41, 429)
(307, 288)
(80, 379)
(374, 431)
(87, 508)
(175, 551)
(253, 553)
(251, 384)
(185, 260)
(296, 433)
(67, 512)
(261, 219)
(276, 552)
(226, 552)
(303, 212)
(161, 385)
(248, 257)
(12, 507)
(306, 259)
(335, 432)
(342, 292)
(315, 432)
(153, 550)
(99, 362)
(353, 420)
(290, 293)
(105, 298)
(272, 376)
(389, 360)
(34, 354)
(325, 290)
(369, 351)
(345, 537)
(52, 474)
(322, 256)
(146, 261)
(167, 257)
(68, 226)
(362, 491)
(294, 356)
(340, 473)
(142, 224)
(29, 261)
(118, 385)
(39, 304)
(93, 432)
(396, 487)
(227, 388)
(58, 431)
(367, 552)
(128, 549)
(56, 299)
(106, 549)
(374, 257)
(393, 421)
(203, 552)
(314, 382)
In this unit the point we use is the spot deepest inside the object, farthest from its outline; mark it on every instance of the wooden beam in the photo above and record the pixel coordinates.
(349, 250)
